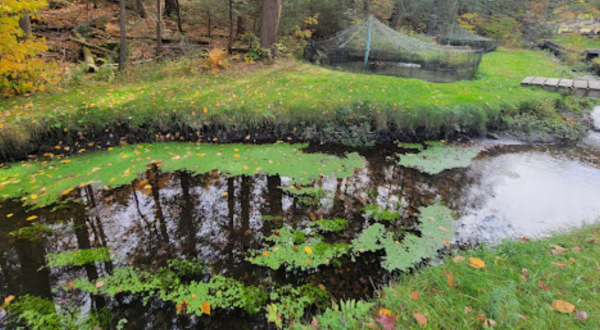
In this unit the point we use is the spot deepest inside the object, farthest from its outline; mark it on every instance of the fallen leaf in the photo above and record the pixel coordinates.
(524, 274)
(563, 306)
(521, 316)
(450, 280)
(205, 308)
(476, 263)
(543, 286)
(558, 264)
(415, 295)
(387, 322)
(67, 191)
(99, 284)
(9, 299)
(468, 309)
(385, 311)
(420, 318)
(315, 323)
(308, 250)
(576, 249)
(266, 253)
(481, 317)
(490, 323)
(581, 315)
(33, 217)
(558, 250)
(572, 261)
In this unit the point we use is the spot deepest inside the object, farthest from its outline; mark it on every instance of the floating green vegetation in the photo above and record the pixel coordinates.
(439, 157)
(436, 227)
(292, 301)
(78, 257)
(296, 249)
(349, 314)
(377, 213)
(333, 226)
(40, 183)
(32, 232)
(417, 146)
(43, 314)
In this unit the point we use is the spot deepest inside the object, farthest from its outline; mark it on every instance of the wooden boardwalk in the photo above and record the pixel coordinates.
(578, 87)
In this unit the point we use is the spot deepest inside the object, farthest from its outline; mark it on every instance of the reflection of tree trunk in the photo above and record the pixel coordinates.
(186, 227)
(83, 243)
(153, 177)
(275, 194)
(32, 257)
(231, 226)
(245, 205)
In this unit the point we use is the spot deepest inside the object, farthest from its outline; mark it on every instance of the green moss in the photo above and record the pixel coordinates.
(334, 226)
(32, 232)
(78, 257)
(436, 227)
(439, 157)
(296, 249)
(377, 213)
(416, 146)
(40, 183)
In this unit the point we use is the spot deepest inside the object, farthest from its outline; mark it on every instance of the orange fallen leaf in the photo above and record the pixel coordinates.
(420, 318)
(266, 253)
(576, 249)
(415, 295)
(558, 264)
(9, 299)
(385, 311)
(205, 308)
(563, 306)
(558, 250)
(543, 286)
(99, 284)
(476, 263)
(468, 309)
(450, 280)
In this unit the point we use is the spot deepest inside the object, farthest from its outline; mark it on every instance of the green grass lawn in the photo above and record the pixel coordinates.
(576, 41)
(287, 98)
(523, 285)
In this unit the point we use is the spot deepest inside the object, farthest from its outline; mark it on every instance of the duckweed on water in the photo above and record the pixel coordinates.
(333, 226)
(296, 249)
(436, 227)
(380, 214)
(78, 257)
(32, 232)
(439, 157)
(40, 183)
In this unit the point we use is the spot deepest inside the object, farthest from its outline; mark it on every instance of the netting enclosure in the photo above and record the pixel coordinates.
(372, 47)
(459, 36)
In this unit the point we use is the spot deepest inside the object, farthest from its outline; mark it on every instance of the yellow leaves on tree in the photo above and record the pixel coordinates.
(216, 59)
(21, 70)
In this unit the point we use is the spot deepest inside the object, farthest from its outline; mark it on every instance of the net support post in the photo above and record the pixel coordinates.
(368, 48)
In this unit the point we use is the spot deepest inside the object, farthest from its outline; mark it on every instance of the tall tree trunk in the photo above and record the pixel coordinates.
(208, 14)
(395, 19)
(172, 7)
(25, 23)
(271, 14)
(230, 41)
(141, 10)
(241, 26)
(123, 46)
(367, 4)
(158, 16)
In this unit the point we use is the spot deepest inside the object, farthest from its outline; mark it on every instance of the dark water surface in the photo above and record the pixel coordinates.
(509, 191)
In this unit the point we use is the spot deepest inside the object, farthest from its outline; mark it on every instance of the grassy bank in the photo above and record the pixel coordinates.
(286, 100)
(577, 42)
(551, 283)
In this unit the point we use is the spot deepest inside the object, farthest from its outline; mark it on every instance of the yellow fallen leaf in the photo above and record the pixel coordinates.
(205, 308)
(33, 196)
(236, 155)
(476, 263)
(148, 186)
(9, 299)
(385, 311)
(458, 259)
(66, 192)
(563, 306)
(308, 250)
(266, 253)
(9, 215)
(33, 217)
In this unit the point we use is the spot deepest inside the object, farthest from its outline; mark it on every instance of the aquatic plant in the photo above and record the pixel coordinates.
(378, 213)
(40, 183)
(439, 157)
(295, 249)
(436, 228)
(78, 257)
(334, 226)
(32, 232)
(348, 314)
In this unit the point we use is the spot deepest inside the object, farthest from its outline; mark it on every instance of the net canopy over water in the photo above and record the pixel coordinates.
(459, 36)
(372, 47)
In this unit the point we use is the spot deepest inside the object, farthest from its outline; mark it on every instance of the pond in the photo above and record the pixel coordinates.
(183, 249)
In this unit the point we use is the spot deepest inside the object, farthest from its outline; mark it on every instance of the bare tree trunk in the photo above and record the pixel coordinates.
(208, 14)
(123, 47)
(230, 41)
(241, 26)
(158, 16)
(88, 58)
(368, 9)
(25, 23)
(271, 14)
(141, 9)
(395, 19)
(172, 7)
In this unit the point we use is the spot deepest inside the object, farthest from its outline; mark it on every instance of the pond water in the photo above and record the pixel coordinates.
(170, 231)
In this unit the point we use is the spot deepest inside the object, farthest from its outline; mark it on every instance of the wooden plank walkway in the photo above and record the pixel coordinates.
(578, 87)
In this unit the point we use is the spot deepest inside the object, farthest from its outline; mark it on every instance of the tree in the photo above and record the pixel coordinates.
(123, 47)
(271, 14)
(172, 8)
(21, 70)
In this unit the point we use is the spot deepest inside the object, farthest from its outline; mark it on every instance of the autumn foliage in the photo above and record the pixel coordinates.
(21, 70)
